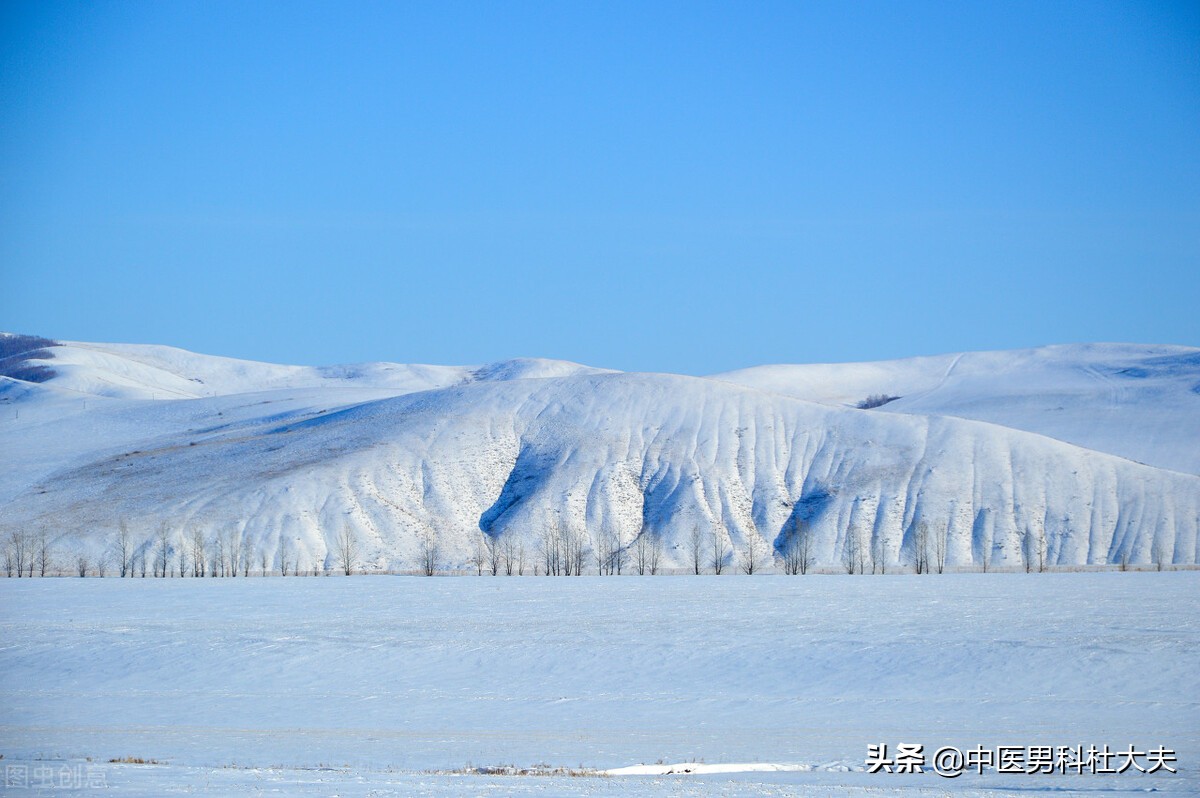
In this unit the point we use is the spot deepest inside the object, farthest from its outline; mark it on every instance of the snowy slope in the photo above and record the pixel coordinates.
(1139, 402)
(129, 371)
(397, 453)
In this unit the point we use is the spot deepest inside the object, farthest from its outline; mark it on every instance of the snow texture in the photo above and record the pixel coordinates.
(381, 686)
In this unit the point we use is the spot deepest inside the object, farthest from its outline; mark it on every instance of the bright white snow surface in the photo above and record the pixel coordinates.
(143, 434)
(240, 686)
(1137, 401)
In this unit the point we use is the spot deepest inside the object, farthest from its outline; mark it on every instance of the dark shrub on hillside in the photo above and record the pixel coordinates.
(875, 400)
(17, 350)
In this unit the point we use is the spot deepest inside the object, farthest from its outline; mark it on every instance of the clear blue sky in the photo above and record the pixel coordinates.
(688, 187)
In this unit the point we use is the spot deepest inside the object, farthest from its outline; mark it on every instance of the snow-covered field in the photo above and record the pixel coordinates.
(372, 685)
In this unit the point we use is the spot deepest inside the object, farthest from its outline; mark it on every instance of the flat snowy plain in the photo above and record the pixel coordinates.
(375, 685)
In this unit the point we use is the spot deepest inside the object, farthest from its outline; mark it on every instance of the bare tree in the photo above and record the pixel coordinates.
(44, 559)
(199, 555)
(720, 548)
(852, 551)
(939, 548)
(656, 552)
(921, 547)
(101, 564)
(284, 555)
(547, 547)
(573, 544)
(123, 549)
(510, 554)
(141, 558)
(162, 550)
(602, 552)
(264, 562)
(754, 554)
(182, 555)
(618, 551)
(429, 553)
(234, 550)
(221, 557)
(696, 548)
(10, 557)
(521, 558)
(797, 547)
(81, 565)
(347, 549)
(479, 557)
(1158, 552)
(879, 553)
(495, 554)
(1033, 549)
(641, 552)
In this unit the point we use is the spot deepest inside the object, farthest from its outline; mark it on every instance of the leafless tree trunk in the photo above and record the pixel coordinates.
(939, 548)
(429, 553)
(521, 558)
(101, 565)
(44, 559)
(221, 557)
(641, 553)
(234, 550)
(576, 555)
(852, 551)
(495, 553)
(141, 557)
(199, 555)
(1158, 552)
(182, 555)
(600, 551)
(697, 548)
(347, 549)
(921, 547)
(10, 557)
(798, 548)
(283, 555)
(753, 555)
(479, 557)
(123, 549)
(879, 553)
(656, 552)
(81, 565)
(162, 550)
(510, 554)
(720, 549)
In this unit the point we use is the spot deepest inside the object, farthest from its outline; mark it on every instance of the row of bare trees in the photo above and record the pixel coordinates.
(26, 554)
(222, 554)
(561, 550)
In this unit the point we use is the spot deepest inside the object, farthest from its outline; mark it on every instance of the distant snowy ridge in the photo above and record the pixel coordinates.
(1140, 402)
(398, 453)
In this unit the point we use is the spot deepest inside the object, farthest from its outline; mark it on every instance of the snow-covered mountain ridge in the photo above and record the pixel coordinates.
(140, 434)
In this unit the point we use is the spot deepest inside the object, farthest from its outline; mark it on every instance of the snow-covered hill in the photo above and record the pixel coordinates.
(401, 453)
(1136, 401)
